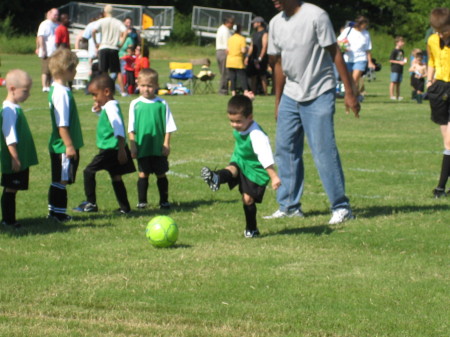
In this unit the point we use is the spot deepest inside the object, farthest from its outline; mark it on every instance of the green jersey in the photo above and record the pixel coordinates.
(150, 120)
(12, 118)
(63, 113)
(251, 163)
(110, 126)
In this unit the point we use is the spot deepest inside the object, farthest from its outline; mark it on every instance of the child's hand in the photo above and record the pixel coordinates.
(15, 164)
(166, 150)
(276, 182)
(70, 152)
(122, 156)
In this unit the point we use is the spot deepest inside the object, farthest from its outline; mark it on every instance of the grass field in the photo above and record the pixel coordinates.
(384, 274)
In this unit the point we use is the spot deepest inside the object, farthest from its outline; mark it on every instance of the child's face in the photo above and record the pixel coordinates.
(100, 96)
(130, 51)
(137, 51)
(239, 122)
(147, 88)
(20, 94)
(400, 43)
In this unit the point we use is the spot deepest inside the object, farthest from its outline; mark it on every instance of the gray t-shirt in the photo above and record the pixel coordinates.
(300, 40)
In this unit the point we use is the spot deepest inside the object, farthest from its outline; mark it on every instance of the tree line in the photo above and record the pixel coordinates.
(408, 18)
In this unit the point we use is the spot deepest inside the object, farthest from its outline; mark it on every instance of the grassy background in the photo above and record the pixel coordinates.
(384, 274)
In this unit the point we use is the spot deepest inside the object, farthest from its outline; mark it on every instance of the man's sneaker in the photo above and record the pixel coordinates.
(142, 205)
(14, 225)
(60, 217)
(340, 215)
(164, 205)
(251, 234)
(86, 206)
(278, 214)
(439, 193)
(211, 178)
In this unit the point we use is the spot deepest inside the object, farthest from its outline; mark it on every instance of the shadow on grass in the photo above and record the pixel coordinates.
(375, 211)
(315, 230)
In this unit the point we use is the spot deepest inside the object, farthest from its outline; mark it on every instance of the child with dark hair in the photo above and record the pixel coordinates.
(114, 156)
(251, 165)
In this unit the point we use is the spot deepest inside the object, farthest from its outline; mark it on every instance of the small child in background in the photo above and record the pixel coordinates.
(150, 125)
(66, 138)
(419, 73)
(114, 156)
(252, 164)
(142, 59)
(17, 152)
(130, 60)
(397, 60)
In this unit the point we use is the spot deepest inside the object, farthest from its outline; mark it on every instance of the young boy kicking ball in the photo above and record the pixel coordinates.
(114, 156)
(17, 150)
(252, 164)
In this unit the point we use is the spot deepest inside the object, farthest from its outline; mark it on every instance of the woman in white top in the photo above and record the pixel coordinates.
(357, 49)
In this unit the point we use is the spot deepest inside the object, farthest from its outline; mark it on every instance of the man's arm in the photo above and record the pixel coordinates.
(350, 100)
(278, 79)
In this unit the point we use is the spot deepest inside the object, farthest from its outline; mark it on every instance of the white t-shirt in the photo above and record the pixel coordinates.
(87, 34)
(170, 123)
(222, 36)
(9, 122)
(112, 111)
(301, 40)
(359, 44)
(60, 99)
(47, 31)
(260, 144)
(111, 30)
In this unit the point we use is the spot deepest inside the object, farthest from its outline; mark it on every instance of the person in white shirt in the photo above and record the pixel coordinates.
(223, 34)
(46, 45)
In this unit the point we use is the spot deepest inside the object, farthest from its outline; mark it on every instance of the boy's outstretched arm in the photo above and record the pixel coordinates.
(276, 182)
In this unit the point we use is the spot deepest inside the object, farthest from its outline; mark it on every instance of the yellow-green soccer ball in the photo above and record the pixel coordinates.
(162, 231)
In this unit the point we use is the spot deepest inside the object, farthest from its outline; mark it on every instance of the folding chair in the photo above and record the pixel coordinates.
(83, 69)
(182, 71)
(203, 81)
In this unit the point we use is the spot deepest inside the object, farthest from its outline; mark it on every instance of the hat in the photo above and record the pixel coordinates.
(258, 19)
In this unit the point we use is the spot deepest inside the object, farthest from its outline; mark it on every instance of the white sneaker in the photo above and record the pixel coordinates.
(45, 89)
(278, 214)
(340, 215)
(400, 98)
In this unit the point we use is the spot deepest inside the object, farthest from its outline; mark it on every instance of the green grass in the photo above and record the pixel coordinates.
(384, 274)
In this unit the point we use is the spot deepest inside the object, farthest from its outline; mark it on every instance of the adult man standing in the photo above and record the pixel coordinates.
(257, 58)
(46, 45)
(113, 36)
(302, 49)
(223, 34)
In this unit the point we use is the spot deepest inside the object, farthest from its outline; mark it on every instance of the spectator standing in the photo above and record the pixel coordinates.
(302, 49)
(397, 60)
(46, 45)
(257, 58)
(113, 36)
(132, 32)
(237, 48)
(62, 36)
(223, 34)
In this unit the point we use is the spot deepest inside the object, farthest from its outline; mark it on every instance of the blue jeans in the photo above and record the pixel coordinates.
(315, 119)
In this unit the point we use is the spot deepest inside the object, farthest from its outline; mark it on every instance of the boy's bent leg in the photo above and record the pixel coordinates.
(289, 155)
(318, 121)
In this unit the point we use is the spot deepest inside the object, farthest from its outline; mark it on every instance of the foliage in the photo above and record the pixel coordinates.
(182, 32)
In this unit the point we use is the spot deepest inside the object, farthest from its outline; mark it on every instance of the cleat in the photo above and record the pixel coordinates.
(439, 193)
(59, 217)
(211, 178)
(142, 205)
(165, 205)
(251, 234)
(86, 206)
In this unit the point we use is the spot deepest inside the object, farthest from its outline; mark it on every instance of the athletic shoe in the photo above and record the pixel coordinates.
(278, 214)
(164, 205)
(60, 217)
(211, 178)
(439, 193)
(400, 98)
(340, 215)
(251, 234)
(142, 205)
(393, 98)
(14, 225)
(123, 211)
(86, 206)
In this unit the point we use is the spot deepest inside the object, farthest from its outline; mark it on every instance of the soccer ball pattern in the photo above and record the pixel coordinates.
(162, 231)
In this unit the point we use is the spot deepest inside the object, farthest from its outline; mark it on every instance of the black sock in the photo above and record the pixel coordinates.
(9, 207)
(121, 195)
(57, 198)
(225, 176)
(89, 186)
(250, 217)
(142, 187)
(445, 171)
(163, 188)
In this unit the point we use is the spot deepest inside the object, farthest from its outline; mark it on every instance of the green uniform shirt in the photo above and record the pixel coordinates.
(247, 160)
(61, 102)
(106, 133)
(25, 144)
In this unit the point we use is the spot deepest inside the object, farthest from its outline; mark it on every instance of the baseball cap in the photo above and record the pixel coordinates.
(258, 19)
